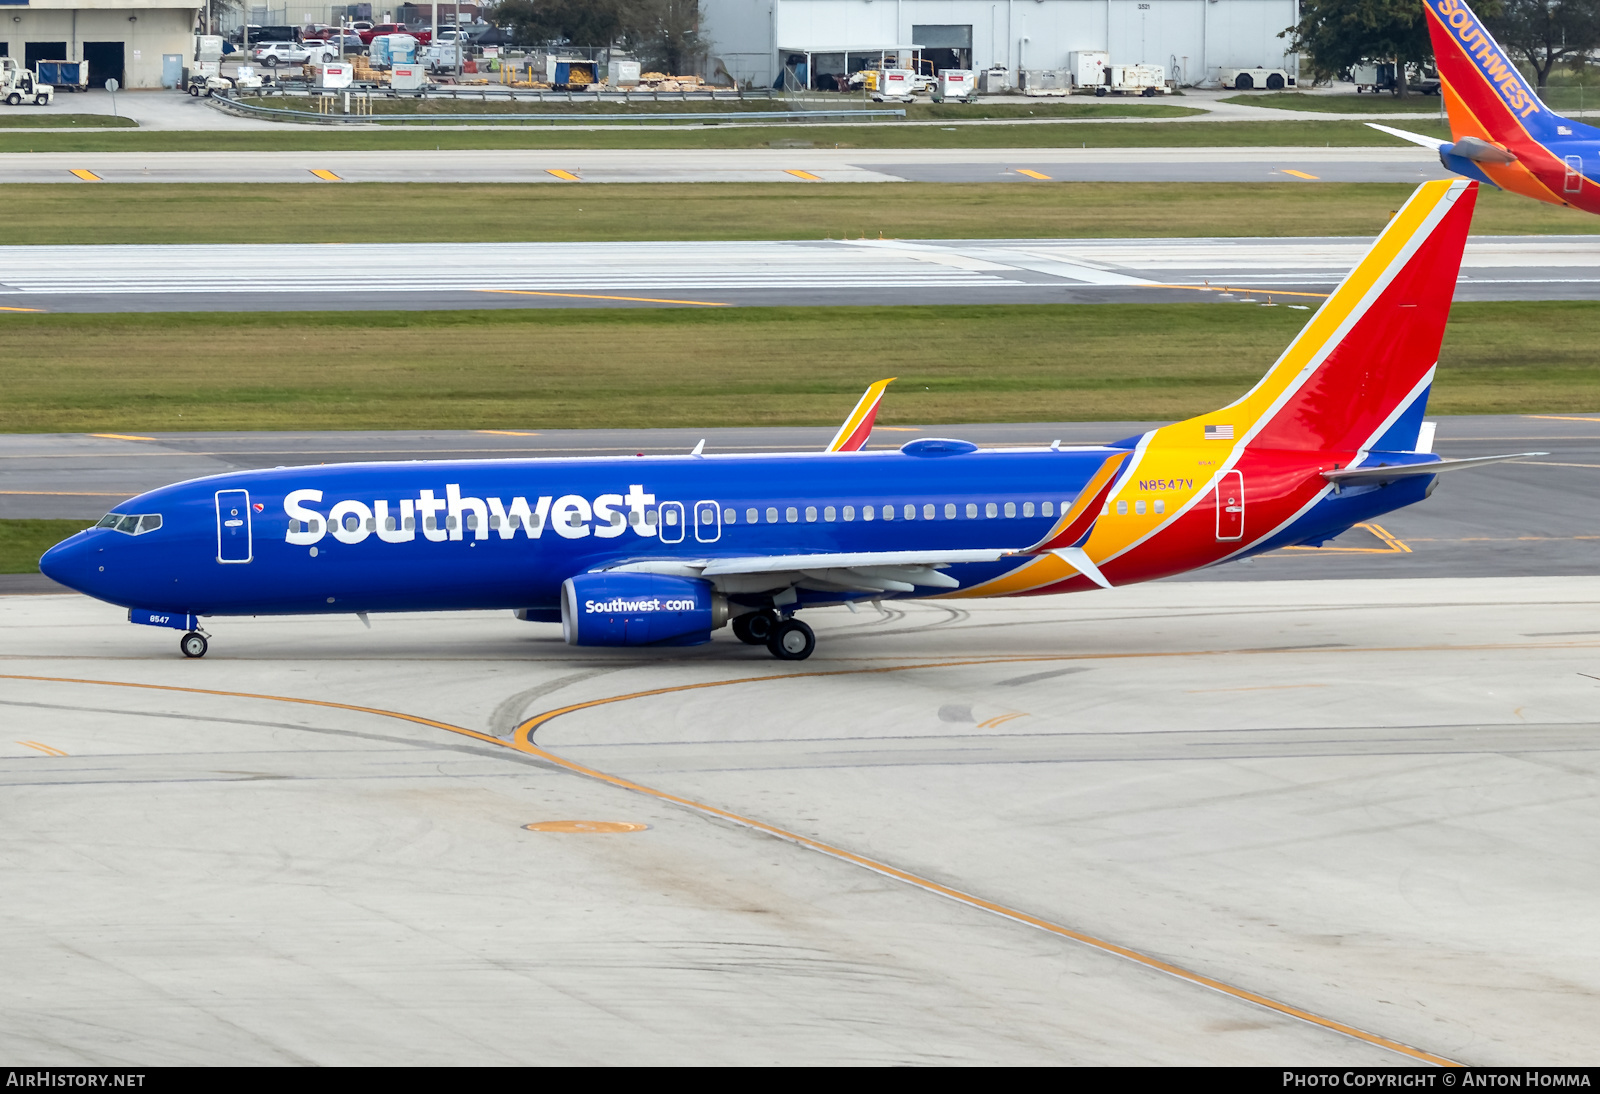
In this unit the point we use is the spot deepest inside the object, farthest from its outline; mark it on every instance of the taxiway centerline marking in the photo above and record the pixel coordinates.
(1559, 418)
(23, 309)
(565, 176)
(46, 749)
(86, 176)
(593, 296)
(522, 742)
(505, 433)
(1300, 174)
(1032, 174)
(120, 437)
(326, 176)
(807, 175)
(1393, 546)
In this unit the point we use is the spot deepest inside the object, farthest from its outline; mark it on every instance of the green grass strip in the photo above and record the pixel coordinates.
(16, 120)
(1108, 134)
(23, 541)
(559, 368)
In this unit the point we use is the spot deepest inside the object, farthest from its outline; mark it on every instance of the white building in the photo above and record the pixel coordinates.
(143, 43)
(1192, 38)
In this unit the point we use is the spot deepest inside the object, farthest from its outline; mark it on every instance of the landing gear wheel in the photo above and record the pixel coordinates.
(193, 644)
(755, 628)
(792, 640)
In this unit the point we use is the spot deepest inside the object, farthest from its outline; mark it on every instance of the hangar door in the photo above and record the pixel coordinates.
(34, 52)
(105, 61)
(944, 45)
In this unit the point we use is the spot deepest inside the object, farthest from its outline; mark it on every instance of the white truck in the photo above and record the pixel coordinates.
(19, 85)
(1251, 79)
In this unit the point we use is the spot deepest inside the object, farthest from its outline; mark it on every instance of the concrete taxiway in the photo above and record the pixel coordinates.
(1508, 519)
(204, 277)
(797, 163)
(1340, 823)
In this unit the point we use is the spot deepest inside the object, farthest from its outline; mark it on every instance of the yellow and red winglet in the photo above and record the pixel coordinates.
(1074, 525)
(858, 426)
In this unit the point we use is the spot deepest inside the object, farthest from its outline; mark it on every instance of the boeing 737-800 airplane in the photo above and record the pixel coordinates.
(1501, 133)
(664, 550)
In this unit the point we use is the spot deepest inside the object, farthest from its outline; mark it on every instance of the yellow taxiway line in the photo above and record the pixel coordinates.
(23, 309)
(326, 176)
(595, 296)
(120, 437)
(565, 176)
(807, 175)
(86, 176)
(1300, 174)
(46, 749)
(522, 741)
(1032, 174)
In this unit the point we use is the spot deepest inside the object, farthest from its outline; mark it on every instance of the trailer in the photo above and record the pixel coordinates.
(956, 85)
(1088, 68)
(65, 75)
(1144, 80)
(567, 73)
(20, 85)
(1046, 81)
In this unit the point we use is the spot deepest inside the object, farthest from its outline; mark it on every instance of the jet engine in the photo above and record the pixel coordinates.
(633, 609)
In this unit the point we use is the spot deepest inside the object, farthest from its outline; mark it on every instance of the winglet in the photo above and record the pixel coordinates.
(857, 427)
(1073, 528)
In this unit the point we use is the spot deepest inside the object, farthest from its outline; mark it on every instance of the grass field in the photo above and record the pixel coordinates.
(46, 120)
(1349, 103)
(748, 366)
(409, 212)
(643, 109)
(1103, 134)
(23, 541)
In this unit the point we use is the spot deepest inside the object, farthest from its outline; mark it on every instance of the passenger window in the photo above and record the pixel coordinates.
(449, 522)
(388, 523)
(411, 524)
(494, 522)
(1138, 507)
(972, 510)
(294, 526)
(828, 514)
(1048, 508)
(670, 514)
(372, 524)
(1027, 508)
(928, 511)
(472, 520)
(849, 512)
(911, 511)
(888, 512)
(1161, 507)
(791, 514)
(752, 516)
(514, 522)
(649, 518)
(1011, 509)
(1122, 508)
(991, 510)
(868, 512)
(772, 515)
(616, 520)
(949, 510)
(811, 514)
(730, 516)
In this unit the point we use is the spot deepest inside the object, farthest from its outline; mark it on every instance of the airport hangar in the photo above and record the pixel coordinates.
(142, 43)
(1192, 38)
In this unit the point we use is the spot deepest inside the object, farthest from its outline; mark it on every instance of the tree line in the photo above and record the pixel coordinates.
(1335, 35)
(663, 34)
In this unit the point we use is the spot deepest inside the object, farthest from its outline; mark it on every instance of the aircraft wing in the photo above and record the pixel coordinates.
(860, 572)
(1400, 471)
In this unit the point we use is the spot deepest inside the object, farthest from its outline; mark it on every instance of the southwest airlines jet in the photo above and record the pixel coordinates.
(1500, 132)
(635, 551)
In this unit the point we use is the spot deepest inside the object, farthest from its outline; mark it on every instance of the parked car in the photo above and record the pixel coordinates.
(268, 34)
(350, 40)
(273, 54)
(394, 28)
(321, 52)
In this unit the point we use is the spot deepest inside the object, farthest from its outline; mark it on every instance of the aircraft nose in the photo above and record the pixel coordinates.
(71, 562)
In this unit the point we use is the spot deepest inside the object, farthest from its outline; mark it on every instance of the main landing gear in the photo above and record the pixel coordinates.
(193, 644)
(785, 639)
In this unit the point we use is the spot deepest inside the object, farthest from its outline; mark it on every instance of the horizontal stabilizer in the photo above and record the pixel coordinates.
(1387, 474)
(1433, 144)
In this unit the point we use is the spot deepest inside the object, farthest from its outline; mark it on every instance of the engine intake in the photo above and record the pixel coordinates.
(631, 609)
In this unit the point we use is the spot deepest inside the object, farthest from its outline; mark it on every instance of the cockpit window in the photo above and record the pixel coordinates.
(132, 524)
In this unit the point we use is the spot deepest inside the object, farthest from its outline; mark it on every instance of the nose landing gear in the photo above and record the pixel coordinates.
(193, 644)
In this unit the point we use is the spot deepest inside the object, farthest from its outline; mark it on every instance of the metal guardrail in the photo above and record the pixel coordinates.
(227, 102)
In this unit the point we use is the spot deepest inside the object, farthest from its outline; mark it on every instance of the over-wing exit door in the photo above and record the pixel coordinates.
(1230, 506)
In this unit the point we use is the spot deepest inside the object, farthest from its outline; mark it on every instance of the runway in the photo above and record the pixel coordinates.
(1366, 804)
(797, 162)
(1514, 519)
(378, 276)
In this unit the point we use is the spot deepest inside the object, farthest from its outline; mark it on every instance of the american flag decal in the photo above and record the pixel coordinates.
(1219, 432)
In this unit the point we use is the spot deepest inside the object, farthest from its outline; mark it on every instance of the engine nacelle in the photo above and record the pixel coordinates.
(629, 609)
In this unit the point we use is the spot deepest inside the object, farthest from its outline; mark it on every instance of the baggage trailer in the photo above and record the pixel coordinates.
(64, 75)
